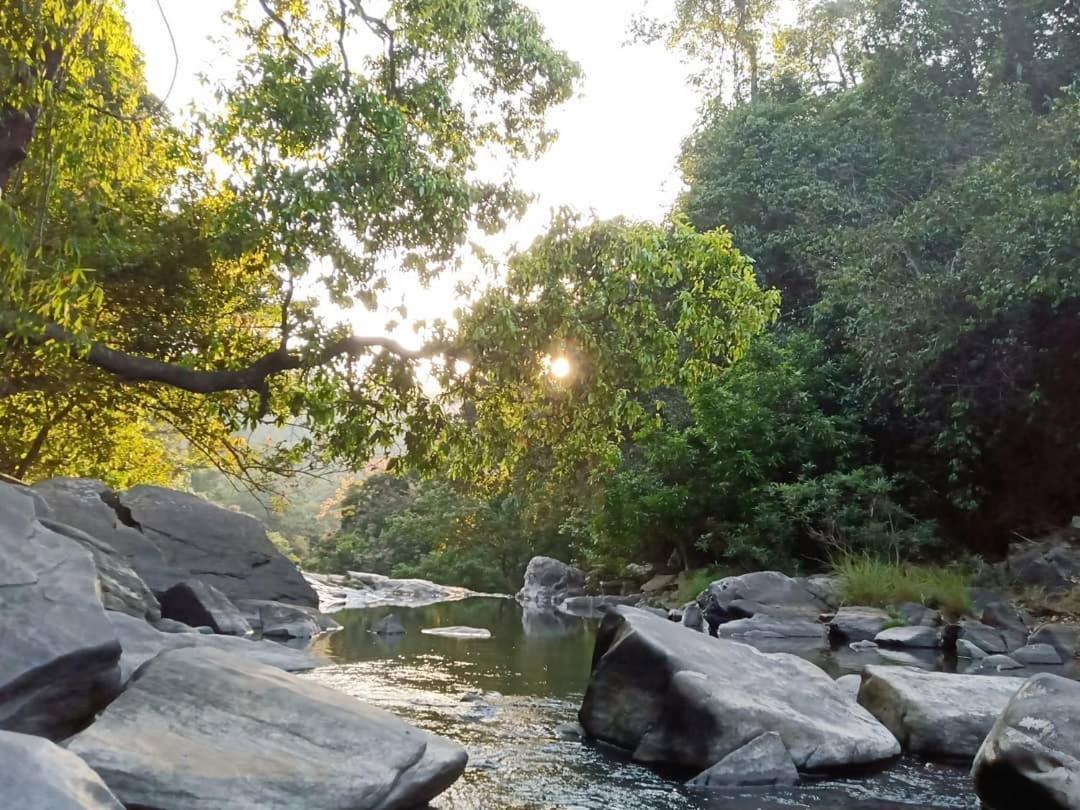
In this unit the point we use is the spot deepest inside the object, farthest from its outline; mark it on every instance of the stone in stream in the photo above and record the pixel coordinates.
(550, 582)
(671, 695)
(857, 624)
(935, 714)
(591, 607)
(768, 592)
(278, 620)
(202, 728)
(1065, 638)
(916, 637)
(388, 625)
(916, 615)
(986, 638)
(36, 774)
(764, 626)
(762, 762)
(58, 653)
(1037, 654)
(199, 604)
(965, 649)
(458, 632)
(1031, 756)
(141, 642)
(998, 663)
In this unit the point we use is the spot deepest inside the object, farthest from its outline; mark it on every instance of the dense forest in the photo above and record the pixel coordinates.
(857, 330)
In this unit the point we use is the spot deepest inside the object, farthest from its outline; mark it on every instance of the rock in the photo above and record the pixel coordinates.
(1053, 564)
(1004, 617)
(918, 637)
(935, 714)
(980, 598)
(569, 731)
(857, 624)
(862, 646)
(388, 625)
(458, 632)
(255, 737)
(121, 588)
(171, 626)
(549, 582)
(1037, 654)
(764, 626)
(548, 623)
(591, 607)
(764, 761)
(36, 774)
(141, 642)
(1031, 757)
(850, 685)
(966, 649)
(58, 653)
(693, 618)
(916, 615)
(825, 587)
(675, 615)
(199, 604)
(987, 639)
(999, 663)
(671, 695)
(767, 592)
(375, 590)
(660, 583)
(638, 571)
(278, 620)
(1065, 638)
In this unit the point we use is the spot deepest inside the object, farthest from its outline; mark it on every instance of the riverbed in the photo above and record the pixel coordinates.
(505, 699)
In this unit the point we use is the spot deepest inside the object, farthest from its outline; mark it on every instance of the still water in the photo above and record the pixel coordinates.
(503, 698)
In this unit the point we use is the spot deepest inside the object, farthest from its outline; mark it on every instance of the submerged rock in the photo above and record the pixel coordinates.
(200, 604)
(388, 625)
(935, 714)
(764, 761)
(58, 653)
(255, 737)
(671, 695)
(36, 774)
(1031, 756)
(550, 582)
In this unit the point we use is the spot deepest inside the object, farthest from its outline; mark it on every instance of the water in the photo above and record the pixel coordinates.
(527, 680)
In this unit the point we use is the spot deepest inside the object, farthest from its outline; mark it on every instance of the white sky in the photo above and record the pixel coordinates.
(618, 140)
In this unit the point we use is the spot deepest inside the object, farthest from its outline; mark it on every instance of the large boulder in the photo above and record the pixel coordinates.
(549, 582)
(988, 639)
(252, 737)
(141, 642)
(200, 604)
(58, 652)
(278, 620)
(1031, 757)
(1052, 564)
(857, 624)
(671, 695)
(935, 714)
(768, 592)
(36, 774)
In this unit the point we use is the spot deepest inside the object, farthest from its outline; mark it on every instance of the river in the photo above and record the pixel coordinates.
(504, 698)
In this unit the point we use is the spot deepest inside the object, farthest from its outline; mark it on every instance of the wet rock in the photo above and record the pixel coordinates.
(768, 592)
(1031, 756)
(388, 625)
(36, 774)
(141, 642)
(1037, 654)
(862, 646)
(998, 663)
(1065, 638)
(254, 736)
(916, 637)
(857, 624)
(200, 604)
(916, 615)
(764, 761)
(569, 731)
(935, 714)
(58, 653)
(966, 649)
(549, 582)
(988, 639)
(671, 695)
(763, 626)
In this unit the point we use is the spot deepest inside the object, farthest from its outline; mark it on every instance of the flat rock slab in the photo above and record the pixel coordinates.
(764, 761)
(203, 729)
(920, 637)
(672, 695)
(141, 642)
(935, 714)
(58, 653)
(1031, 757)
(200, 604)
(458, 632)
(36, 774)
(857, 624)
(765, 626)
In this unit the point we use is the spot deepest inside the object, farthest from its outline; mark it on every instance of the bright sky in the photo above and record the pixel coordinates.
(618, 140)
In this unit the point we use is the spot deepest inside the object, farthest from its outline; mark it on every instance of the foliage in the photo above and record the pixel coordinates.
(881, 582)
(697, 581)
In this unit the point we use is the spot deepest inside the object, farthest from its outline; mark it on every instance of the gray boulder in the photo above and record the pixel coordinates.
(768, 592)
(278, 620)
(693, 618)
(917, 637)
(765, 626)
(200, 604)
(998, 663)
(965, 649)
(141, 642)
(1065, 638)
(672, 695)
(850, 684)
(764, 761)
(255, 737)
(1037, 654)
(58, 652)
(36, 774)
(935, 714)
(916, 615)
(1052, 564)
(988, 639)
(1005, 617)
(857, 624)
(1031, 757)
(170, 626)
(549, 582)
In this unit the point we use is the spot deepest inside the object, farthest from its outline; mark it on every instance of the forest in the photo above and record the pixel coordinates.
(855, 334)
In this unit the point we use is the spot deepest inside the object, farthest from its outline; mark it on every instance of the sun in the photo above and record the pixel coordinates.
(560, 367)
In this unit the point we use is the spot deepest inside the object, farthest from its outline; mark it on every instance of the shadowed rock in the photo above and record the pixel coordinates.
(36, 774)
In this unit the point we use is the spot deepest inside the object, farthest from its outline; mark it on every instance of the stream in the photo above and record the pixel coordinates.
(504, 698)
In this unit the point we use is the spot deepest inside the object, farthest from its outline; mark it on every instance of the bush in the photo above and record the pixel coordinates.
(878, 582)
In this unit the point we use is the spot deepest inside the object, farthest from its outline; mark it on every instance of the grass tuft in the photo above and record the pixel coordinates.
(697, 581)
(872, 581)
